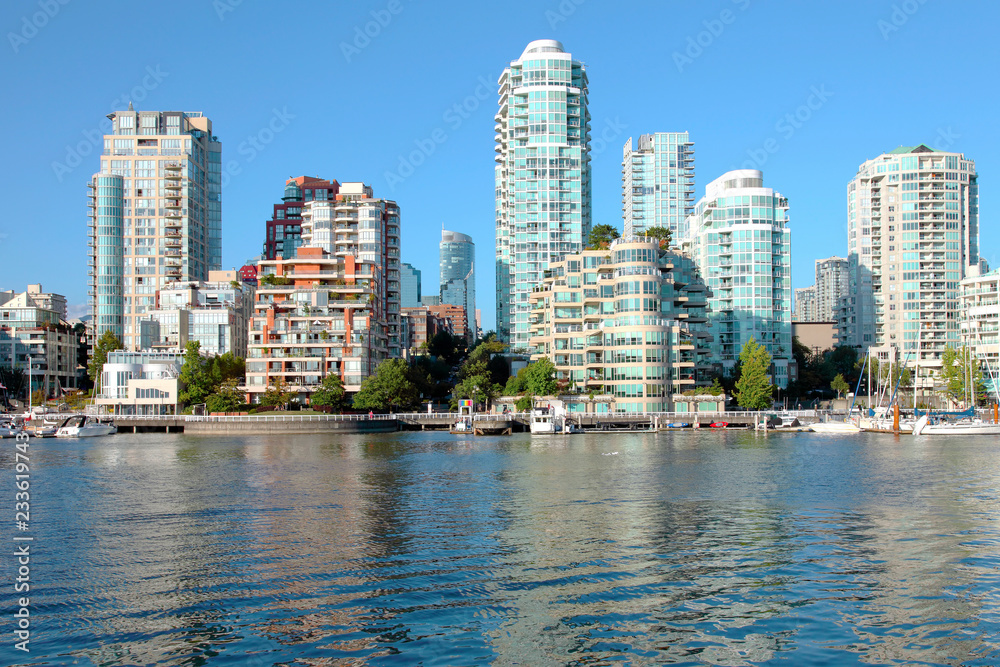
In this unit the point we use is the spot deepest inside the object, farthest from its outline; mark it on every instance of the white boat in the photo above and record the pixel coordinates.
(835, 427)
(544, 422)
(961, 427)
(8, 429)
(82, 426)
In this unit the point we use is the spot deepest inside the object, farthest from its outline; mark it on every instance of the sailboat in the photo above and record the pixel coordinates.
(957, 423)
(841, 427)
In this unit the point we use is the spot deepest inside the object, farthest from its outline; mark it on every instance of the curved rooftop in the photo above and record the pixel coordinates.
(543, 46)
(455, 237)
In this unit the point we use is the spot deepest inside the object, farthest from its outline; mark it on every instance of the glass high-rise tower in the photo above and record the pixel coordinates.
(458, 276)
(658, 183)
(740, 239)
(155, 214)
(543, 204)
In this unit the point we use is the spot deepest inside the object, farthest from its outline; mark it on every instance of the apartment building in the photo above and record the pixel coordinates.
(740, 239)
(283, 232)
(155, 214)
(334, 307)
(658, 183)
(543, 181)
(629, 322)
(980, 321)
(33, 330)
(913, 235)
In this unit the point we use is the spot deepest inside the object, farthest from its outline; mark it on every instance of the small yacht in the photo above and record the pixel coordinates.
(926, 426)
(834, 427)
(82, 426)
(543, 421)
(8, 429)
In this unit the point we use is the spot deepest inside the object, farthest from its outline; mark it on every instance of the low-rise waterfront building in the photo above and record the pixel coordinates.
(140, 383)
(629, 322)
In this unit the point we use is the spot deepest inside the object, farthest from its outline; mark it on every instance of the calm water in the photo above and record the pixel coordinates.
(421, 548)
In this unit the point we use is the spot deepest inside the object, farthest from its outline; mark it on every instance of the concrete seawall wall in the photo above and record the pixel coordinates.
(289, 427)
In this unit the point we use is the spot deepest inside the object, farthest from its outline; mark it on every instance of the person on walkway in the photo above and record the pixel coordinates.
(371, 415)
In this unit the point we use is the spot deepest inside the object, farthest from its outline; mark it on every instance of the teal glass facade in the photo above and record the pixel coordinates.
(740, 240)
(658, 183)
(543, 183)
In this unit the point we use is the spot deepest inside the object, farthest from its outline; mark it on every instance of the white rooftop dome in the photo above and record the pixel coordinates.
(543, 46)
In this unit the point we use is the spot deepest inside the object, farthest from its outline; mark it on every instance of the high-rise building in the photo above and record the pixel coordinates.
(409, 286)
(820, 302)
(832, 280)
(458, 277)
(543, 202)
(629, 322)
(284, 229)
(155, 214)
(658, 183)
(740, 239)
(805, 305)
(334, 307)
(912, 235)
(214, 313)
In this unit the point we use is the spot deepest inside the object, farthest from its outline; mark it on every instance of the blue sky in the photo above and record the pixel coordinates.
(889, 73)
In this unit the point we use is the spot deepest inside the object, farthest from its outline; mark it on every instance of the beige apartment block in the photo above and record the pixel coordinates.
(628, 321)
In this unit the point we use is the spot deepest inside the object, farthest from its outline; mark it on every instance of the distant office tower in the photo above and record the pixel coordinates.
(805, 305)
(155, 214)
(409, 286)
(740, 239)
(543, 203)
(458, 278)
(658, 183)
(912, 234)
(334, 307)
(284, 229)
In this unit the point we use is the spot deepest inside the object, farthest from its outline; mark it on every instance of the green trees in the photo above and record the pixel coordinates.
(195, 382)
(661, 233)
(962, 377)
(601, 236)
(479, 375)
(536, 379)
(839, 385)
(389, 387)
(330, 394)
(753, 388)
(108, 342)
(212, 381)
(277, 394)
(227, 398)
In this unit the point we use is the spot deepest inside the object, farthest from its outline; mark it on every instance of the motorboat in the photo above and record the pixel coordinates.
(835, 427)
(543, 422)
(9, 429)
(83, 426)
(926, 426)
(463, 425)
